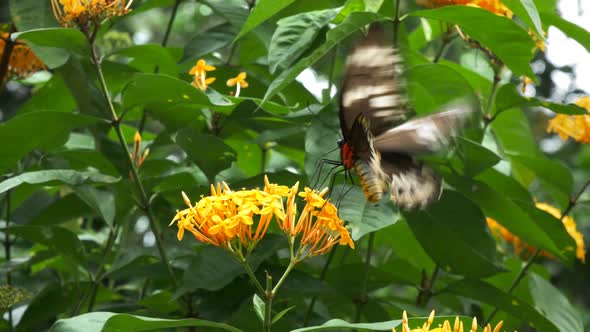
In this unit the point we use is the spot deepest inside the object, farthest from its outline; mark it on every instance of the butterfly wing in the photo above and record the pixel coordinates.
(427, 134)
(373, 85)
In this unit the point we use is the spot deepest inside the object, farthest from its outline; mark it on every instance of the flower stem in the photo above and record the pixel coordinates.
(285, 274)
(268, 296)
(571, 204)
(145, 203)
(252, 277)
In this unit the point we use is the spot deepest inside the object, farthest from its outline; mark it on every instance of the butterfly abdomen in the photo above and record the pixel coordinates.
(372, 182)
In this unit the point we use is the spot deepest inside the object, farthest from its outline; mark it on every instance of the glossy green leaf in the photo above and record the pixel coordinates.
(574, 31)
(263, 10)
(31, 14)
(508, 98)
(431, 86)
(280, 315)
(112, 322)
(147, 58)
(364, 217)
(462, 244)
(67, 176)
(486, 293)
(527, 12)
(54, 45)
(101, 201)
(50, 130)
(208, 152)
(551, 303)
(59, 239)
(476, 158)
(259, 307)
(294, 35)
(352, 23)
(507, 40)
(62, 210)
(208, 41)
(339, 324)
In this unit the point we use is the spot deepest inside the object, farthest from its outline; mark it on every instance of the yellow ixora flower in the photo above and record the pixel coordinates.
(82, 13)
(239, 82)
(22, 62)
(494, 6)
(238, 220)
(574, 126)
(522, 248)
(199, 72)
(445, 326)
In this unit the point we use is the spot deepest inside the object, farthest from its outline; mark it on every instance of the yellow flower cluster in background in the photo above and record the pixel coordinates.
(83, 12)
(239, 219)
(23, 62)
(445, 326)
(200, 80)
(521, 247)
(494, 6)
(574, 126)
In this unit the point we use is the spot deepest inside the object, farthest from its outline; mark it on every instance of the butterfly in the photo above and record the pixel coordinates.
(379, 143)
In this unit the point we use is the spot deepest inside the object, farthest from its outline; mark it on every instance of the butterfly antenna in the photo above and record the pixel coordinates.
(316, 116)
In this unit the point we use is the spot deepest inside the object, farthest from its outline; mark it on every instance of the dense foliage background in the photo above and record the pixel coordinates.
(82, 235)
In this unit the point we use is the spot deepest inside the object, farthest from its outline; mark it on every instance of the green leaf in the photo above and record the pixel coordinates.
(147, 58)
(454, 233)
(507, 40)
(208, 41)
(432, 85)
(281, 314)
(101, 201)
(572, 30)
(339, 324)
(486, 293)
(352, 23)
(64, 209)
(67, 176)
(37, 130)
(527, 12)
(294, 35)
(551, 303)
(263, 10)
(208, 152)
(508, 97)
(59, 239)
(54, 45)
(476, 158)
(113, 322)
(259, 307)
(555, 176)
(31, 14)
(364, 217)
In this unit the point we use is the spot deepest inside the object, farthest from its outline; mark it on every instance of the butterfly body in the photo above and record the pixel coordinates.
(378, 144)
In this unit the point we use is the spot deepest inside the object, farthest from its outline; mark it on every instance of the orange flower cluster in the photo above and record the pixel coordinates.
(446, 326)
(239, 219)
(23, 62)
(84, 12)
(521, 247)
(574, 126)
(494, 6)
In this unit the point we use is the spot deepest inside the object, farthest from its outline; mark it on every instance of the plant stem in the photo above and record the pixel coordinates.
(250, 273)
(7, 254)
(113, 233)
(146, 206)
(322, 277)
(445, 42)
(426, 289)
(268, 296)
(488, 117)
(571, 204)
(363, 296)
(285, 274)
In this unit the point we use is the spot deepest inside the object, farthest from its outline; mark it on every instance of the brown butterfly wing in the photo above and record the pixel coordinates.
(373, 85)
